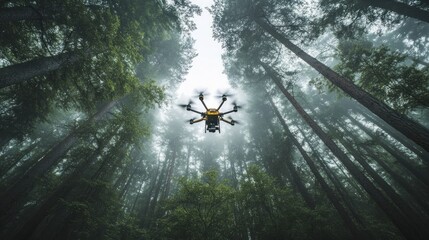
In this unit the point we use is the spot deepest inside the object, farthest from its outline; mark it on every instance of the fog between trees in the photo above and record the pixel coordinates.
(332, 143)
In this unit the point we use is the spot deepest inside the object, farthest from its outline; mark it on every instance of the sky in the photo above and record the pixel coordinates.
(206, 72)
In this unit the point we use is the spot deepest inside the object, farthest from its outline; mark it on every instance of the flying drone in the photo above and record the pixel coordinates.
(212, 116)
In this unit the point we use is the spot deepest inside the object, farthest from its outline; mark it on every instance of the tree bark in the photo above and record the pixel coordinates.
(399, 8)
(21, 72)
(407, 228)
(402, 123)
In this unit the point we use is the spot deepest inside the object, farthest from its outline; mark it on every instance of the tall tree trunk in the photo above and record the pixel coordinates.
(399, 157)
(21, 72)
(337, 183)
(12, 198)
(402, 123)
(409, 229)
(406, 208)
(188, 158)
(16, 158)
(356, 233)
(424, 155)
(418, 195)
(399, 8)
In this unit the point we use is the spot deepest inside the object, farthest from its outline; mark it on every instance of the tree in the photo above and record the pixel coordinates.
(347, 16)
(381, 200)
(200, 210)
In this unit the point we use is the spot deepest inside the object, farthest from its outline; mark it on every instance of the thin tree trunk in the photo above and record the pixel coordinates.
(126, 187)
(338, 185)
(402, 123)
(21, 72)
(356, 233)
(416, 194)
(399, 157)
(407, 228)
(12, 198)
(188, 158)
(407, 209)
(424, 155)
(16, 159)
(399, 8)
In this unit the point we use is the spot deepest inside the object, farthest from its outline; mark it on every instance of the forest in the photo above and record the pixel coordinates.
(332, 141)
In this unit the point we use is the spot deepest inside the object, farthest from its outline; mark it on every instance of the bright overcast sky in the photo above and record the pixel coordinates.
(206, 71)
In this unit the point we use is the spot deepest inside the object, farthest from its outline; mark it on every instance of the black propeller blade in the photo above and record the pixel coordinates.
(233, 121)
(200, 92)
(224, 94)
(185, 105)
(236, 105)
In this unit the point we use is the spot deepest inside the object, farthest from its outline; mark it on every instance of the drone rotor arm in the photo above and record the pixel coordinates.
(198, 120)
(227, 112)
(223, 100)
(229, 122)
(195, 111)
(204, 104)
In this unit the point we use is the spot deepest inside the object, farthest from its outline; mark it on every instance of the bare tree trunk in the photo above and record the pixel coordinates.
(409, 229)
(399, 157)
(424, 155)
(402, 123)
(406, 208)
(16, 158)
(399, 8)
(337, 183)
(356, 233)
(21, 72)
(418, 195)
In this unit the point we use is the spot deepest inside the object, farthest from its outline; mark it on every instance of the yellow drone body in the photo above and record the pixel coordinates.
(212, 116)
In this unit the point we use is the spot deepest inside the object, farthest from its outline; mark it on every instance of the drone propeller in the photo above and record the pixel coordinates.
(224, 94)
(201, 92)
(190, 120)
(186, 105)
(233, 121)
(236, 106)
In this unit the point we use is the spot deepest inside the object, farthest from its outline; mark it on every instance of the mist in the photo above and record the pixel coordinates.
(111, 125)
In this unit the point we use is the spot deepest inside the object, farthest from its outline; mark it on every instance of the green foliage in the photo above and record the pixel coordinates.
(352, 18)
(202, 209)
(208, 208)
(386, 74)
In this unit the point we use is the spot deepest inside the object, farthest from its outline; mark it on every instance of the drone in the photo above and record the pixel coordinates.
(212, 116)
